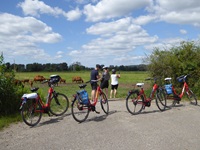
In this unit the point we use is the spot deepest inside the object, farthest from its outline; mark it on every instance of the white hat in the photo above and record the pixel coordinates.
(105, 67)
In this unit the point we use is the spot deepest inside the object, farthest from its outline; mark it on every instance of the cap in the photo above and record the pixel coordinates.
(105, 67)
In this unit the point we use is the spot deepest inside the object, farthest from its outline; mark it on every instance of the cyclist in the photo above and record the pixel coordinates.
(94, 76)
(114, 83)
(105, 80)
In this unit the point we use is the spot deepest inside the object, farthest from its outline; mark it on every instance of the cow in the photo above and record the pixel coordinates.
(62, 80)
(77, 79)
(39, 78)
(25, 80)
(31, 83)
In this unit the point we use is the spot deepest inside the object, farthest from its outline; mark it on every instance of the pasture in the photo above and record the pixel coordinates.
(126, 82)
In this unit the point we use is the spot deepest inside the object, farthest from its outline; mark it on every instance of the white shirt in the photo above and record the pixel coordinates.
(114, 79)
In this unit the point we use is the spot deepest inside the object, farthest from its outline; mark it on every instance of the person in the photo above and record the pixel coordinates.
(114, 83)
(105, 80)
(94, 76)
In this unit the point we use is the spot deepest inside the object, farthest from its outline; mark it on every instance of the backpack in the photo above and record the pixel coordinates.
(83, 96)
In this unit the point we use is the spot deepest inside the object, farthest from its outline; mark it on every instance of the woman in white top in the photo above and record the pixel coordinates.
(114, 83)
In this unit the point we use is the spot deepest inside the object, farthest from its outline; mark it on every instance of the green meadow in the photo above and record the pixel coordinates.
(126, 82)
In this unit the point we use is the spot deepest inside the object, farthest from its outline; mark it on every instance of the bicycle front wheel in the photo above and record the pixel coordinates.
(134, 103)
(192, 97)
(59, 104)
(31, 112)
(160, 99)
(80, 111)
(104, 103)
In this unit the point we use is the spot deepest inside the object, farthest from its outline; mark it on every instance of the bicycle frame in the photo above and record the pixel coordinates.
(184, 88)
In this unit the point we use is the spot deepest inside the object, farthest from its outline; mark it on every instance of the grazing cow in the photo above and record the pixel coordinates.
(31, 83)
(77, 79)
(39, 78)
(62, 80)
(18, 82)
(25, 80)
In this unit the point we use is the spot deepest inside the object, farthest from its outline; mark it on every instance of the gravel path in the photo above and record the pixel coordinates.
(174, 129)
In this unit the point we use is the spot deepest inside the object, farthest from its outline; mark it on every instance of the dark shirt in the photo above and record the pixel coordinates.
(94, 74)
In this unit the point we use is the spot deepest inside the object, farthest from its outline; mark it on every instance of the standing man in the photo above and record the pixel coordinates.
(105, 80)
(94, 76)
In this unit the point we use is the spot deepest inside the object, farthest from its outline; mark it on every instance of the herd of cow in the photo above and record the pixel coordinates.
(40, 78)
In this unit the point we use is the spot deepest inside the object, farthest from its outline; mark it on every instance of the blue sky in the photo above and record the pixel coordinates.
(109, 32)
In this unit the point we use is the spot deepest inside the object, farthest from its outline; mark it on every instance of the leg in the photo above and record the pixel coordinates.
(111, 92)
(115, 92)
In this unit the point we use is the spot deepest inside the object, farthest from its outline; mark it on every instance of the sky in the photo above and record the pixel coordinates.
(108, 32)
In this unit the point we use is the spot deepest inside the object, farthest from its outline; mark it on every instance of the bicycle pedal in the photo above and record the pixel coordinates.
(97, 112)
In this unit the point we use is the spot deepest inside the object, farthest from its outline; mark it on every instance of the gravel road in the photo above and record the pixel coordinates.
(174, 129)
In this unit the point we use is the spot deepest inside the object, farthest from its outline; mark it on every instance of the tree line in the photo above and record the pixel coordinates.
(51, 67)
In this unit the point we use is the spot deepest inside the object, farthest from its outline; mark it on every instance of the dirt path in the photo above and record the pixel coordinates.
(177, 128)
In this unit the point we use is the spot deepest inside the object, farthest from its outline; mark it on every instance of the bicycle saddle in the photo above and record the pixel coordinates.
(34, 89)
(82, 86)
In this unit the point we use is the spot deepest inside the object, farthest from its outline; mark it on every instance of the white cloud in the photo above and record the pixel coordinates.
(73, 14)
(184, 12)
(182, 31)
(20, 36)
(36, 8)
(107, 9)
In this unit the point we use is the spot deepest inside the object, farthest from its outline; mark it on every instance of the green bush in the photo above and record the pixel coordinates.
(177, 61)
(10, 94)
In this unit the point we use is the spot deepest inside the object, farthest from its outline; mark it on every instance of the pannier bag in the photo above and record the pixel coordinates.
(168, 88)
(83, 95)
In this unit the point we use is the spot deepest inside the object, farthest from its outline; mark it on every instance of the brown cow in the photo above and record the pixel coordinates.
(77, 79)
(39, 78)
(62, 80)
(31, 83)
(25, 80)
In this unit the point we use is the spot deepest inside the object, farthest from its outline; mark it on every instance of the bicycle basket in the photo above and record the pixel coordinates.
(168, 88)
(83, 95)
(180, 79)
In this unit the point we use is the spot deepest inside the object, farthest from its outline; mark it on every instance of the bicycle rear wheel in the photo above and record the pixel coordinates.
(59, 104)
(134, 103)
(31, 112)
(104, 103)
(80, 111)
(160, 99)
(192, 97)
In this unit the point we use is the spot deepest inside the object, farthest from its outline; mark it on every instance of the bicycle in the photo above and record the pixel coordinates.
(32, 105)
(81, 108)
(172, 97)
(136, 99)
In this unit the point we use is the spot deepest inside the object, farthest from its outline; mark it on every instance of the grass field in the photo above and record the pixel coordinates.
(126, 82)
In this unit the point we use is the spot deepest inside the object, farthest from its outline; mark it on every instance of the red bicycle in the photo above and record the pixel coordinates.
(32, 105)
(173, 97)
(81, 105)
(136, 100)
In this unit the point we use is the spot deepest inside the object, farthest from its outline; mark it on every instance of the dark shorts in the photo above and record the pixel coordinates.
(94, 85)
(104, 84)
(114, 87)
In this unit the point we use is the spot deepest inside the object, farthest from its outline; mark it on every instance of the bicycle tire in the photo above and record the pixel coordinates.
(133, 101)
(80, 112)
(170, 102)
(59, 104)
(160, 99)
(29, 114)
(104, 103)
(192, 97)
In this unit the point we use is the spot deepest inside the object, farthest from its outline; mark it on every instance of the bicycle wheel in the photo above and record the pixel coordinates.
(134, 103)
(31, 113)
(170, 102)
(80, 111)
(192, 97)
(59, 104)
(160, 99)
(104, 103)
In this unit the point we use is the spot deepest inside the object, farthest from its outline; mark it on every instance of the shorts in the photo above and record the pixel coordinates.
(104, 84)
(94, 85)
(114, 87)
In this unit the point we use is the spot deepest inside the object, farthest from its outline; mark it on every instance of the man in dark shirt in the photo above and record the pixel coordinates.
(94, 76)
